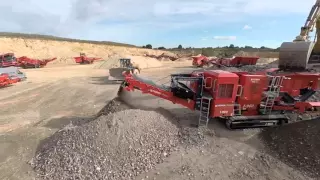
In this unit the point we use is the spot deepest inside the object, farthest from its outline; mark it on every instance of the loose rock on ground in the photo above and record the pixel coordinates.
(117, 146)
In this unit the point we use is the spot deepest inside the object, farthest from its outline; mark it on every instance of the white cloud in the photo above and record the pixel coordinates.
(225, 37)
(246, 27)
(204, 38)
(116, 19)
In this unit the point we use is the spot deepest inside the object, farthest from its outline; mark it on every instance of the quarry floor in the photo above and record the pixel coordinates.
(53, 97)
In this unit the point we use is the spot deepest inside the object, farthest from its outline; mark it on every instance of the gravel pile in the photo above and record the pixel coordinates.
(247, 68)
(296, 144)
(195, 137)
(263, 166)
(117, 146)
(255, 68)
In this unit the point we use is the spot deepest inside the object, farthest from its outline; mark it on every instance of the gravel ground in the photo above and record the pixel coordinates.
(138, 144)
(221, 159)
(117, 146)
(297, 144)
(111, 147)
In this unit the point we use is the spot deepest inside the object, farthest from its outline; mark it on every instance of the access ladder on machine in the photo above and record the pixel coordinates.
(204, 116)
(272, 93)
(237, 107)
(205, 102)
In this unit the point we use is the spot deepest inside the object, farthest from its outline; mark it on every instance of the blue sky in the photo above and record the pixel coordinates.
(196, 23)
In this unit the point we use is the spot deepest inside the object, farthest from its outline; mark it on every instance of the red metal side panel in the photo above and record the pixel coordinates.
(252, 89)
(4, 80)
(223, 90)
(235, 61)
(290, 86)
(197, 61)
(78, 59)
(244, 60)
(221, 109)
(294, 82)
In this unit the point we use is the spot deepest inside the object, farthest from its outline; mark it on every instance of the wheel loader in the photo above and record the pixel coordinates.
(303, 54)
(126, 66)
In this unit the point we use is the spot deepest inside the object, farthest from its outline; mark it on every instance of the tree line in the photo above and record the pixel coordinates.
(231, 46)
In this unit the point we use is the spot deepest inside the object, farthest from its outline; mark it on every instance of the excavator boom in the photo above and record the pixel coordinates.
(301, 54)
(310, 23)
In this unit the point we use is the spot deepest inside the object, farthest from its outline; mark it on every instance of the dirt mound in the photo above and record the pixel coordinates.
(242, 53)
(141, 61)
(108, 148)
(267, 61)
(145, 62)
(264, 54)
(275, 62)
(296, 144)
(65, 51)
(164, 53)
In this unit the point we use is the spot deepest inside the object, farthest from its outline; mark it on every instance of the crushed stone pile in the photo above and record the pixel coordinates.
(297, 145)
(224, 68)
(255, 68)
(117, 146)
(242, 53)
(195, 137)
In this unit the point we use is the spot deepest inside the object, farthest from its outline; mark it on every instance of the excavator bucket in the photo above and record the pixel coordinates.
(115, 74)
(295, 56)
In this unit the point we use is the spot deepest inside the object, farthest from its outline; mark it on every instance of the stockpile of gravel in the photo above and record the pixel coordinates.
(247, 68)
(255, 68)
(296, 144)
(195, 137)
(117, 146)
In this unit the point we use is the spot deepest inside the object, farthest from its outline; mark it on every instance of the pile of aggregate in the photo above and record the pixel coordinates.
(195, 137)
(296, 144)
(117, 146)
(247, 68)
(254, 68)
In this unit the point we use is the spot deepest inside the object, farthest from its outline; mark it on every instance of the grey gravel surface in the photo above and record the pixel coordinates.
(117, 146)
(297, 144)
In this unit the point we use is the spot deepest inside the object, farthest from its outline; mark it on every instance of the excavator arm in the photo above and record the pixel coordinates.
(298, 55)
(310, 23)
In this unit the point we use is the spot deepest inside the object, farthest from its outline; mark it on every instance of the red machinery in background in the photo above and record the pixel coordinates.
(200, 61)
(83, 59)
(6, 80)
(7, 60)
(242, 99)
(26, 62)
(237, 61)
